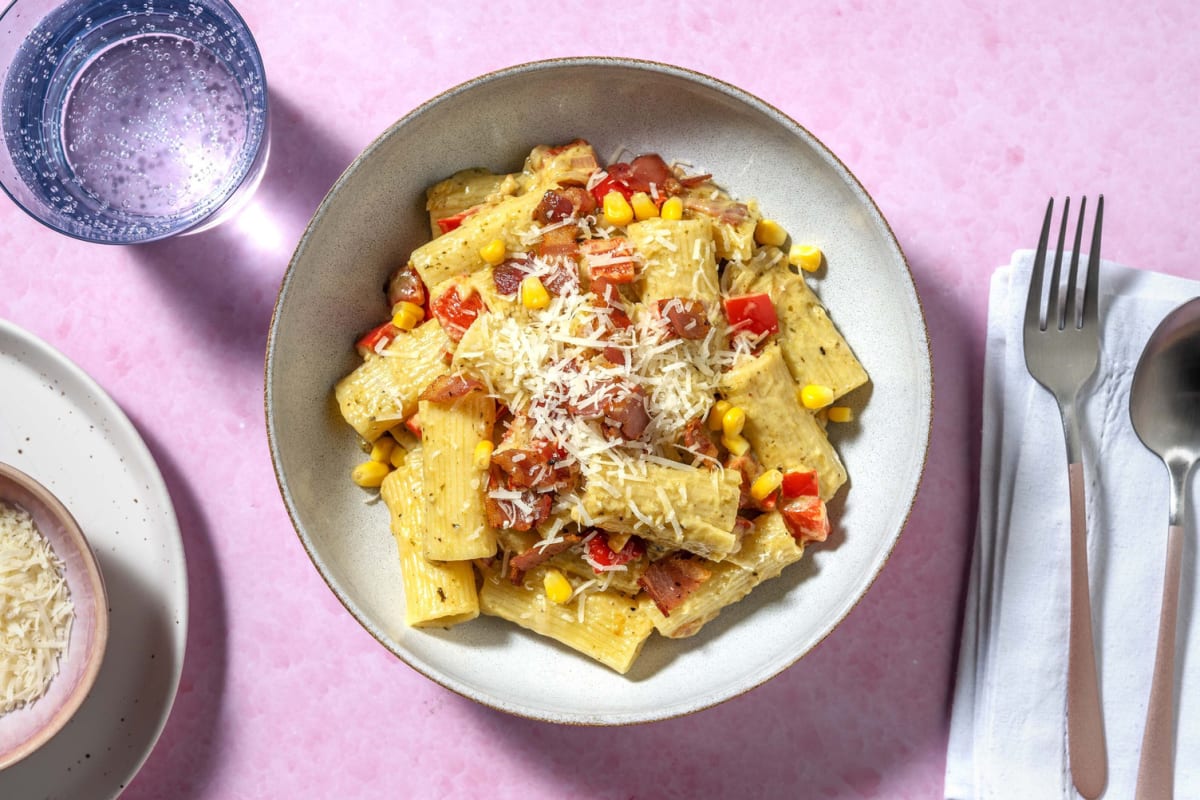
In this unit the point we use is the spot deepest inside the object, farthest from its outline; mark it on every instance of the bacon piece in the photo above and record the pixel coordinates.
(521, 461)
(508, 274)
(405, 285)
(616, 356)
(692, 181)
(610, 260)
(448, 388)
(563, 203)
(688, 318)
(696, 439)
(621, 407)
(574, 162)
(609, 296)
(650, 171)
(671, 579)
(750, 469)
(723, 209)
(559, 243)
(518, 565)
(627, 413)
(554, 207)
(504, 513)
(561, 279)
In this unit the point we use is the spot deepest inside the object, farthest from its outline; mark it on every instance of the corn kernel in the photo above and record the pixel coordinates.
(381, 451)
(406, 315)
(369, 474)
(769, 232)
(738, 445)
(483, 455)
(533, 293)
(493, 252)
(766, 484)
(733, 420)
(643, 206)
(617, 210)
(717, 414)
(398, 456)
(805, 257)
(840, 414)
(815, 396)
(672, 209)
(558, 588)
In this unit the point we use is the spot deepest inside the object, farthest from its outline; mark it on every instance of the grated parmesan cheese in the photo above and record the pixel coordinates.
(35, 610)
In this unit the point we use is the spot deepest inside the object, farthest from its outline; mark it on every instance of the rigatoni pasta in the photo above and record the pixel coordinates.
(435, 593)
(595, 400)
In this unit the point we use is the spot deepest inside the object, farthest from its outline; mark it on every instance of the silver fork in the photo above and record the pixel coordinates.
(1062, 351)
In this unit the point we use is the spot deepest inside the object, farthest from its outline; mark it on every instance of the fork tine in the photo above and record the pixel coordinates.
(1071, 315)
(1053, 314)
(1091, 296)
(1033, 312)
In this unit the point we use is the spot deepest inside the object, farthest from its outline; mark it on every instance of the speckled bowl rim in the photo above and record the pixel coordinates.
(644, 65)
(94, 580)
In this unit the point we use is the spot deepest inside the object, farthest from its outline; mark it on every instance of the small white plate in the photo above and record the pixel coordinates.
(58, 426)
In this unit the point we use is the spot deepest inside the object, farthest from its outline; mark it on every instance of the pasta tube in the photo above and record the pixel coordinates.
(435, 594)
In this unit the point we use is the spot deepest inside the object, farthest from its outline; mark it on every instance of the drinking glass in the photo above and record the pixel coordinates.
(130, 121)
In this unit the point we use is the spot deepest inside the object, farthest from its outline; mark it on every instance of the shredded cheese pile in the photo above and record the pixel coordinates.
(35, 610)
(546, 365)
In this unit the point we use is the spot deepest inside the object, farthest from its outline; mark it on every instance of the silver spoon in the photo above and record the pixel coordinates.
(1164, 404)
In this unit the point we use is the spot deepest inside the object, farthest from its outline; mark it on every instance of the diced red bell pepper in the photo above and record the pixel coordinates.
(800, 484)
(600, 553)
(752, 313)
(414, 425)
(447, 224)
(806, 518)
(377, 338)
(614, 181)
(456, 312)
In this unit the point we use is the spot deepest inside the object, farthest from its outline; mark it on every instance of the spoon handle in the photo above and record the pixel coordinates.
(1085, 722)
(1156, 772)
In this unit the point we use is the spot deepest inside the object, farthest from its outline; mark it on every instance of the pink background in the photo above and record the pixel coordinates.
(960, 120)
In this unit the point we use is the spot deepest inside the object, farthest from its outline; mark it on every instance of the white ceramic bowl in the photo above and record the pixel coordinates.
(24, 730)
(374, 215)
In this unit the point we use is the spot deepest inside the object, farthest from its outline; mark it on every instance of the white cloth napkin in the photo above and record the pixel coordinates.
(1008, 726)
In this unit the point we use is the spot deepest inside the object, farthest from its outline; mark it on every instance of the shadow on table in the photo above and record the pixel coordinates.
(186, 745)
(223, 282)
(866, 712)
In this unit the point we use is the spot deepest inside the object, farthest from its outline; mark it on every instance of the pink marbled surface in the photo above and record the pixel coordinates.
(960, 120)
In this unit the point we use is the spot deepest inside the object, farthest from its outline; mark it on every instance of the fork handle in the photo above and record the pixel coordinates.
(1156, 771)
(1085, 723)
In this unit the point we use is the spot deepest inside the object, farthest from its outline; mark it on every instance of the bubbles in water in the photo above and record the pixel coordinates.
(152, 124)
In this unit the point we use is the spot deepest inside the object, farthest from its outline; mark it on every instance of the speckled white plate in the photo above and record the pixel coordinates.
(374, 216)
(59, 427)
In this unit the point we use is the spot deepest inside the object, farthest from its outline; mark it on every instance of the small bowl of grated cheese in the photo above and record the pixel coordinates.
(53, 616)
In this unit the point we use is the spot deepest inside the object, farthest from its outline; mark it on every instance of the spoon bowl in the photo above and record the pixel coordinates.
(1164, 406)
(1164, 401)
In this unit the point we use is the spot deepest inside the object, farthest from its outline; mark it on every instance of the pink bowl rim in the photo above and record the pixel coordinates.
(11, 476)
